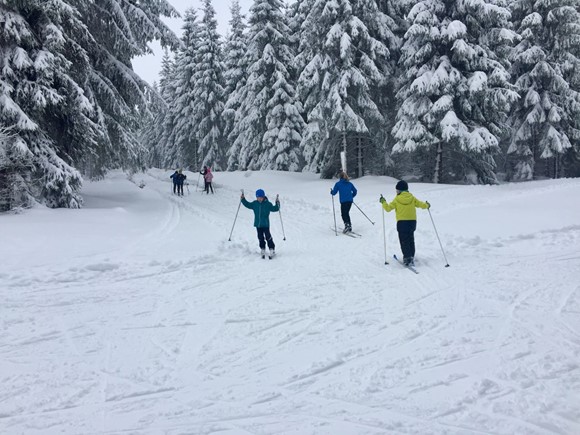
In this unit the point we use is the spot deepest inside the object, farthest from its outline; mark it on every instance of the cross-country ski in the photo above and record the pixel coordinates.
(410, 266)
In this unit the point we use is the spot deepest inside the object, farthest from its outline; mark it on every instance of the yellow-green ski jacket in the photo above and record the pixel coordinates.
(404, 205)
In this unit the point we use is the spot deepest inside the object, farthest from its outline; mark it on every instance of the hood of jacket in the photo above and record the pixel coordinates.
(404, 198)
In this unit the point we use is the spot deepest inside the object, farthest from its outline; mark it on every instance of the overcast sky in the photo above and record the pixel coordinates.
(148, 67)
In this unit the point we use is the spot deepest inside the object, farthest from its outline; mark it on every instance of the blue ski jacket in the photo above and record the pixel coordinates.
(346, 190)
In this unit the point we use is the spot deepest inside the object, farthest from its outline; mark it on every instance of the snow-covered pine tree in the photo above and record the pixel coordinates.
(166, 147)
(268, 126)
(546, 68)
(15, 164)
(456, 94)
(344, 47)
(36, 88)
(180, 130)
(150, 133)
(67, 88)
(234, 75)
(208, 92)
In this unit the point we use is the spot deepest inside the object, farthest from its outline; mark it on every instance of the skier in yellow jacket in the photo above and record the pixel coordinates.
(404, 205)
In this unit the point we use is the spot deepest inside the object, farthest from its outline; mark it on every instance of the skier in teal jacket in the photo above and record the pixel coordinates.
(262, 208)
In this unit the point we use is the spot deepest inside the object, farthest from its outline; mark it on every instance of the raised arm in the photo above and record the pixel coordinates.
(276, 206)
(386, 205)
(246, 203)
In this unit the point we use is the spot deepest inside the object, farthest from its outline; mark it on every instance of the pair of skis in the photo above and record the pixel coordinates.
(411, 268)
(350, 233)
(356, 236)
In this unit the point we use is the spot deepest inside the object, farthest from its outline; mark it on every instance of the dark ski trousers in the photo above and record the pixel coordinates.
(406, 230)
(265, 236)
(344, 212)
(179, 189)
(174, 188)
(208, 186)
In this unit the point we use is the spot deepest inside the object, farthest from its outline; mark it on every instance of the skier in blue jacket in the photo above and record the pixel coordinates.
(346, 193)
(262, 208)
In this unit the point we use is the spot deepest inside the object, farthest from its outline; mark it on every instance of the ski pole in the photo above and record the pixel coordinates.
(282, 223)
(235, 219)
(363, 213)
(334, 215)
(384, 232)
(197, 183)
(437, 234)
(187, 185)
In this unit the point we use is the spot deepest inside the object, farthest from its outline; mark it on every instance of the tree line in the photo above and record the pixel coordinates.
(473, 91)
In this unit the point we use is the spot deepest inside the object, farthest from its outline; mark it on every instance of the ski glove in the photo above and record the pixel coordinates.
(382, 200)
(428, 205)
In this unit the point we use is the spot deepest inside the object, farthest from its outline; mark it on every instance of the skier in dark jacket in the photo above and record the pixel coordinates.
(175, 178)
(262, 208)
(346, 193)
(405, 205)
(178, 180)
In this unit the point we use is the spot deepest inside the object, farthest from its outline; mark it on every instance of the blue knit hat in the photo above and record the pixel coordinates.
(260, 193)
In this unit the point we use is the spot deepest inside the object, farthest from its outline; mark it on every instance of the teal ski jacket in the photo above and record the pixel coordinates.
(261, 211)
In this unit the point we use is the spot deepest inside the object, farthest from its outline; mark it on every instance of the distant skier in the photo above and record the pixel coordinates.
(207, 178)
(262, 208)
(178, 180)
(175, 178)
(346, 193)
(404, 205)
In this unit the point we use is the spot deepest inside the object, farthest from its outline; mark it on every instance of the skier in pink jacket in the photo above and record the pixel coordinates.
(207, 178)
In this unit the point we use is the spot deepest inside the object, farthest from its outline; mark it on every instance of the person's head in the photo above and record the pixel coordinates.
(180, 171)
(402, 186)
(260, 195)
(204, 167)
(343, 175)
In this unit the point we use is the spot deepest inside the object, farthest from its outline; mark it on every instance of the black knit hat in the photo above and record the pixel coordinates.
(402, 186)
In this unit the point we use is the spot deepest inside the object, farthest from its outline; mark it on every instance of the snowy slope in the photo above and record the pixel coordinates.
(137, 315)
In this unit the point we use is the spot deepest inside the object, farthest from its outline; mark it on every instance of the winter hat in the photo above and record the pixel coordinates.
(402, 186)
(260, 193)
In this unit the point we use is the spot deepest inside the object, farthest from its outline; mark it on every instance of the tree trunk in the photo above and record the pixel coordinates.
(360, 163)
(438, 164)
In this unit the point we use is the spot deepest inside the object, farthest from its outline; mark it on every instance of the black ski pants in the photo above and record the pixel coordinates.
(406, 230)
(265, 236)
(208, 186)
(344, 212)
(179, 189)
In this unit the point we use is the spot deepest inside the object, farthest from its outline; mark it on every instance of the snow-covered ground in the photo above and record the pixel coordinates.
(136, 315)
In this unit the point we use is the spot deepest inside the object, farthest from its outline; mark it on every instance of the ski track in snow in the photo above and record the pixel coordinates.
(177, 330)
